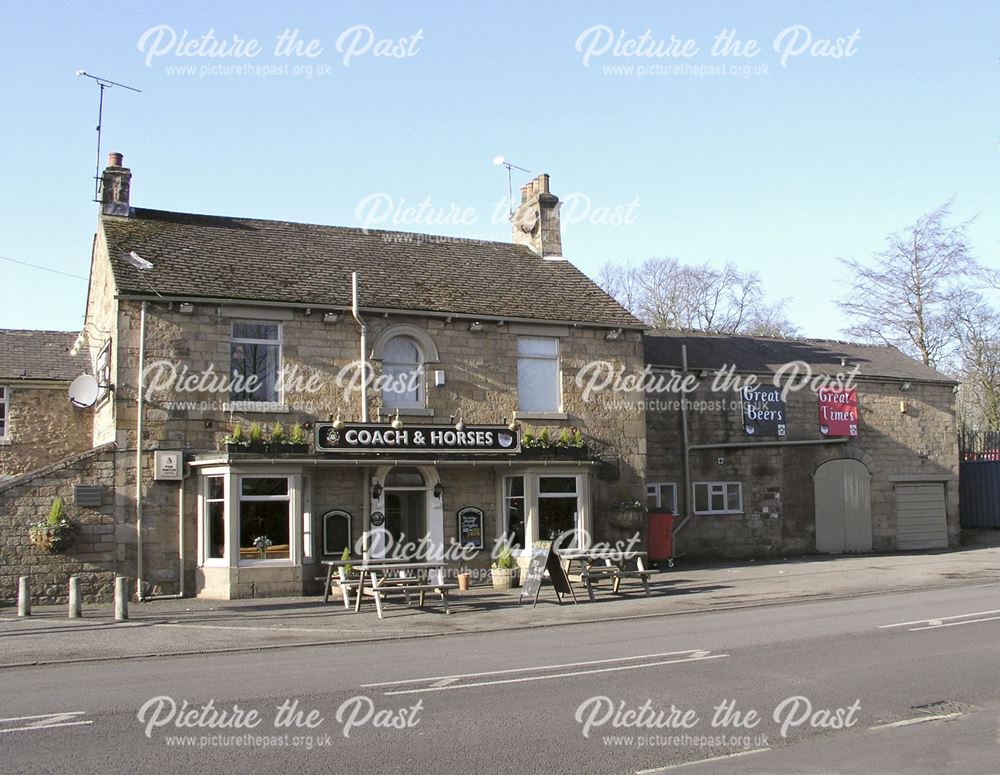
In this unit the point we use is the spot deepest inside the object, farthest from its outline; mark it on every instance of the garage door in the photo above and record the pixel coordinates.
(921, 521)
(843, 507)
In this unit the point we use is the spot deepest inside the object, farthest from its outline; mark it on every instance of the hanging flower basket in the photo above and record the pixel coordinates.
(52, 538)
(627, 516)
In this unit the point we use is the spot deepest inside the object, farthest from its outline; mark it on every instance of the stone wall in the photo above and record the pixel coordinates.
(42, 427)
(93, 556)
(778, 497)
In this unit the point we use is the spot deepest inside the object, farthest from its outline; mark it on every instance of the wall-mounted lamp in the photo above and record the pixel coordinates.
(903, 406)
(338, 423)
(439, 378)
(905, 386)
(458, 420)
(614, 333)
(376, 490)
(843, 361)
(331, 317)
(513, 425)
(703, 373)
(438, 489)
(397, 423)
(475, 326)
(186, 308)
(307, 426)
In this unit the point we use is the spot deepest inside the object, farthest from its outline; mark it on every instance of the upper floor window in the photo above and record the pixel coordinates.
(403, 368)
(3, 412)
(255, 362)
(102, 371)
(718, 498)
(662, 496)
(538, 374)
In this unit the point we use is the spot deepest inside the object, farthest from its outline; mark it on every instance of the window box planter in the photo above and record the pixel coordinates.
(555, 453)
(631, 519)
(262, 448)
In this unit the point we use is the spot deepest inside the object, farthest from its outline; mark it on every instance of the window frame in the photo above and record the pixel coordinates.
(506, 500)
(102, 372)
(557, 358)
(206, 499)
(278, 342)
(239, 498)
(4, 414)
(713, 491)
(421, 401)
(329, 516)
(539, 496)
(657, 492)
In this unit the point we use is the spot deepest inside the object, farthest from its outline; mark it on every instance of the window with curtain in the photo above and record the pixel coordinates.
(403, 370)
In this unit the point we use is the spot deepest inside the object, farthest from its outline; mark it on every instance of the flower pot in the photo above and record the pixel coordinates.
(504, 578)
(464, 579)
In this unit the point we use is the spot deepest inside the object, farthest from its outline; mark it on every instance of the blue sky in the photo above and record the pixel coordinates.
(781, 172)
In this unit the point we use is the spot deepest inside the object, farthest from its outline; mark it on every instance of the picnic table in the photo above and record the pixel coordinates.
(378, 578)
(595, 565)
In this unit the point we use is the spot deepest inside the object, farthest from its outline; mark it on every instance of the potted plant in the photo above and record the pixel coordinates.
(277, 440)
(504, 571)
(568, 445)
(297, 441)
(261, 544)
(236, 440)
(464, 579)
(255, 441)
(55, 533)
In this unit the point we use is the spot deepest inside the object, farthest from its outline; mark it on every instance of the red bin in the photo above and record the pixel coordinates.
(660, 535)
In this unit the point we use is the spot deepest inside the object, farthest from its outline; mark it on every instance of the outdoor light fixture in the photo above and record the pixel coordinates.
(903, 406)
(513, 424)
(614, 333)
(397, 423)
(330, 317)
(703, 373)
(905, 386)
(458, 419)
(307, 426)
(475, 326)
(338, 424)
(186, 308)
(438, 489)
(376, 490)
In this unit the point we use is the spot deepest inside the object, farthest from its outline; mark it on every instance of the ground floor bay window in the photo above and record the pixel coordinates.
(544, 506)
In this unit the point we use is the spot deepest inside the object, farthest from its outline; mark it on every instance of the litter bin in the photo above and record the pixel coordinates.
(660, 537)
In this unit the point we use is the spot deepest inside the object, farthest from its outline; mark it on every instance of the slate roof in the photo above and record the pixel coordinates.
(762, 355)
(257, 260)
(40, 355)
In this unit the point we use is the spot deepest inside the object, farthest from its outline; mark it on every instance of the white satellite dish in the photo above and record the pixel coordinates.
(83, 391)
(137, 261)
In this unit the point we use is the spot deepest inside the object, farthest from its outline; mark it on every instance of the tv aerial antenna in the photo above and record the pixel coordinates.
(497, 162)
(104, 83)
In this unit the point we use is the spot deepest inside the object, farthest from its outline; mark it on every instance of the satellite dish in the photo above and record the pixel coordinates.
(137, 261)
(83, 392)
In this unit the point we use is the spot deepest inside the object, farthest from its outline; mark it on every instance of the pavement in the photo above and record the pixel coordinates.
(170, 627)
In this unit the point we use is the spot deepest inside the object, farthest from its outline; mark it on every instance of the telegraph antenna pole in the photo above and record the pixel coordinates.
(104, 83)
(497, 161)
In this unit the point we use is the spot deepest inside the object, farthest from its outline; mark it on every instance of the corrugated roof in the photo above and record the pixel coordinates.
(40, 355)
(757, 354)
(257, 260)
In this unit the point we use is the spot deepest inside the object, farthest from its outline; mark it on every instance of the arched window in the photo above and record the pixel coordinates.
(403, 372)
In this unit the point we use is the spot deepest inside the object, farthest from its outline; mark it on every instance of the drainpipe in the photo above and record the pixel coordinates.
(180, 529)
(364, 346)
(138, 454)
(687, 448)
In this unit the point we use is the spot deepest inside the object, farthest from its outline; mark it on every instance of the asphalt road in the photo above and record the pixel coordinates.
(893, 683)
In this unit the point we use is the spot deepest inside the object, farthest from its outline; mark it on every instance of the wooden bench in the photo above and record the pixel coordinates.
(385, 586)
(616, 573)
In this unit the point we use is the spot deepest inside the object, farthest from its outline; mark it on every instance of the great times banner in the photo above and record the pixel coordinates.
(418, 438)
(838, 412)
(763, 411)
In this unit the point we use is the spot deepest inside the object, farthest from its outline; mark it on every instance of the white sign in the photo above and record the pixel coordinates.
(169, 466)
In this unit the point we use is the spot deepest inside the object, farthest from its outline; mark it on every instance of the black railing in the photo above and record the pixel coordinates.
(979, 445)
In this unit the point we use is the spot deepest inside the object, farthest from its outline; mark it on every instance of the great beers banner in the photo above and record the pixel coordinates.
(763, 411)
(472, 439)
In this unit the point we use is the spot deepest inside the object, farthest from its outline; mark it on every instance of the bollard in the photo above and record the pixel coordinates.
(121, 599)
(74, 597)
(23, 596)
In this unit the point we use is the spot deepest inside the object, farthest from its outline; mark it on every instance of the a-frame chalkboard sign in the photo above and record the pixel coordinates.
(544, 558)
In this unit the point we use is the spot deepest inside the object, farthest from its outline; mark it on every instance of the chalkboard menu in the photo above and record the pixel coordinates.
(470, 527)
(544, 558)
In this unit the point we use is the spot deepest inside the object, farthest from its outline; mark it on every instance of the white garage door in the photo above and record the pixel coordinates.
(921, 521)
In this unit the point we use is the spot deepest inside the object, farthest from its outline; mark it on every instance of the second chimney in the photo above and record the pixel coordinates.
(115, 184)
(536, 221)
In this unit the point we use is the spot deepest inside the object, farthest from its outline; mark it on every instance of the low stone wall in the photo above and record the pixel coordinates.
(92, 557)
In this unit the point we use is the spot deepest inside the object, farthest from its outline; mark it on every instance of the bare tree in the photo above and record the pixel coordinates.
(976, 327)
(901, 297)
(665, 293)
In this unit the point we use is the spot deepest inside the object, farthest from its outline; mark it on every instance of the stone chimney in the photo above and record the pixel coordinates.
(536, 221)
(115, 183)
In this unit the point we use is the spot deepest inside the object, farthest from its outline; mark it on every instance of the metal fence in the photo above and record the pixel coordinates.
(979, 445)
(979, 478)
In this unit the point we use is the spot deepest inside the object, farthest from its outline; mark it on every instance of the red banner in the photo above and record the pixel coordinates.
(838, 412)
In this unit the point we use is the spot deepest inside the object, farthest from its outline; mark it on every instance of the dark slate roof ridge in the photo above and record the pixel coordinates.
(676, 332)
(154, 214)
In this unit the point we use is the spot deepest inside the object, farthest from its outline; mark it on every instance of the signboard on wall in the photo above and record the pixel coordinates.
(763, 411)
(838, 412)
(470, 527)
(370, 437)
(168, 466)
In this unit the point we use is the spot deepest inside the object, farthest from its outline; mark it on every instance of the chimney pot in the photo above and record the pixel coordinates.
(525, 190)
(115, 159)
(535, 223)
(543, 183)
(115, 184)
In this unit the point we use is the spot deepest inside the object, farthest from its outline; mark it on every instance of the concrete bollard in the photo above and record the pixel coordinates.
(75, 611)
(24, 596)
(121, 599)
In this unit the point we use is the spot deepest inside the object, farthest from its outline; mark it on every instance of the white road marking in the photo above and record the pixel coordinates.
(670, 767)
(46, 721)
(690, 652)
(939, 625)
(911, 721)
(938, 620)
(314, 630)
(525, 679)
